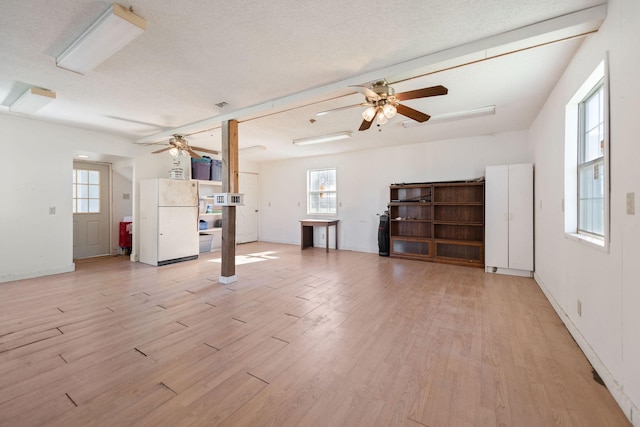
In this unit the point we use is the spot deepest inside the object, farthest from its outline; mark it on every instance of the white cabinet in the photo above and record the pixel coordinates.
(209, 215)
(168, 221)
(509, 219)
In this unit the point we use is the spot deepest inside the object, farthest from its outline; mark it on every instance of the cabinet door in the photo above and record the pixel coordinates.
(521, 217)
(177, 232)
(497, 216)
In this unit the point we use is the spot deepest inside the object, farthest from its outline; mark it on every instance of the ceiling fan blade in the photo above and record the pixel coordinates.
(192, 153)
(422, 93)
(366, 91)
(161, 150)
(412, 114)
(366, 124)
(205, 150)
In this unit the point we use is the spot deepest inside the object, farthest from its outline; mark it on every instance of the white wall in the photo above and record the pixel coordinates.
(606, 283)
(363, 183)
(36, 175)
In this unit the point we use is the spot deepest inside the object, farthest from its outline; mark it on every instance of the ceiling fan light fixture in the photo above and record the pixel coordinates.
(389, 111)
(174, 151)
(113, 30)
(382, 118)
(369, 113)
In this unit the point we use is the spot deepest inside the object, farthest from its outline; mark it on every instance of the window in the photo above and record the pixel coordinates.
(86, 191)
(586, 201)
(591, 166)
(321, 192)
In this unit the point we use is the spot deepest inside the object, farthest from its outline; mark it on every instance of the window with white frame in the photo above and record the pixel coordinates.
(322, 192)
(86, 191)
(591, 165)
(586, 201)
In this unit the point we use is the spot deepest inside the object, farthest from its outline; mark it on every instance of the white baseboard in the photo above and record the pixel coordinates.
(508, 271)
(614, 387)
(39, 273)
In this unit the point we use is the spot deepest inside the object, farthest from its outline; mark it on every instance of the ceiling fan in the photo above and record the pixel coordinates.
(383, 103)
(178, 144)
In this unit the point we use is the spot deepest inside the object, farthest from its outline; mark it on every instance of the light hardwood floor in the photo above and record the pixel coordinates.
(304, 338)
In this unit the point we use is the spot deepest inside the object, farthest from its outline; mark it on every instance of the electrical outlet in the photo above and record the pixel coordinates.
(631, 203)
(579, 308)
(52, 210)
(126, 196)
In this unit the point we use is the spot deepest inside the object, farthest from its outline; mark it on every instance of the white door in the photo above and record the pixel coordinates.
(521, 217)
(497, 216)
(247, 215)
(91, 210)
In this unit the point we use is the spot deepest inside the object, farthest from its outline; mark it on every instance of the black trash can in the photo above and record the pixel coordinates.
(383, 235)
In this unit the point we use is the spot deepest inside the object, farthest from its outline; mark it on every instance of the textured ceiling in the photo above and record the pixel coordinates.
(277, 63)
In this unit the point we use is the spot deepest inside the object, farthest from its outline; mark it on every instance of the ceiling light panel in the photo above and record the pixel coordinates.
(113, 30)
(32, 101)
(322, 138)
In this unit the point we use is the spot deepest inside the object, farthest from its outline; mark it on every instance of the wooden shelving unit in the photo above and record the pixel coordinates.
(439, 221)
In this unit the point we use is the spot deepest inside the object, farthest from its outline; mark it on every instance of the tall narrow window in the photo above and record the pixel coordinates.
(586, 160)
(86, 191)
(591, 164)
(322, 193)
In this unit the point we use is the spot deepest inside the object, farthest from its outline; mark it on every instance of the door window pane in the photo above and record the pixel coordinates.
(86, 191)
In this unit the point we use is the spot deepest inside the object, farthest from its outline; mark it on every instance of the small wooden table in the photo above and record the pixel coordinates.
(306, 231)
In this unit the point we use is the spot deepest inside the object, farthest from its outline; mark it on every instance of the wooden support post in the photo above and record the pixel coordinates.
(229, 185)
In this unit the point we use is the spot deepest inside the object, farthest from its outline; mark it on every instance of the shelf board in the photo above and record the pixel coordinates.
(459, 242)
(205, 182)
(412, 238)
(410, 220)
(410, 204)
(458, 203)
(472, 223)
(211, 230)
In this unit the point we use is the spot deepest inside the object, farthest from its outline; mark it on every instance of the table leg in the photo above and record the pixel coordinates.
(327, 241)
(336, 235)
(306, 236)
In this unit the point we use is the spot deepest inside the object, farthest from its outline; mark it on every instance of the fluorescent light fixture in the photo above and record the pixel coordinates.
(459, 115)
(32, 100)
(112, 31)
(322, 138)
(253, 149)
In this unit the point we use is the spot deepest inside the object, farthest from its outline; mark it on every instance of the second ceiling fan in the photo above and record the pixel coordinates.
(178, 144)
(383, 103)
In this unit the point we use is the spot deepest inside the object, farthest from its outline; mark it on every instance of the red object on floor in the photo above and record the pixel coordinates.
(125, 235)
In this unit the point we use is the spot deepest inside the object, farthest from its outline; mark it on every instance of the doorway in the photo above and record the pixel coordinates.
(247, 215)
(91, 209)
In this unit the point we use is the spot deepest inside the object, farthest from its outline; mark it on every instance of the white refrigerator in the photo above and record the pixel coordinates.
(168, 221)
